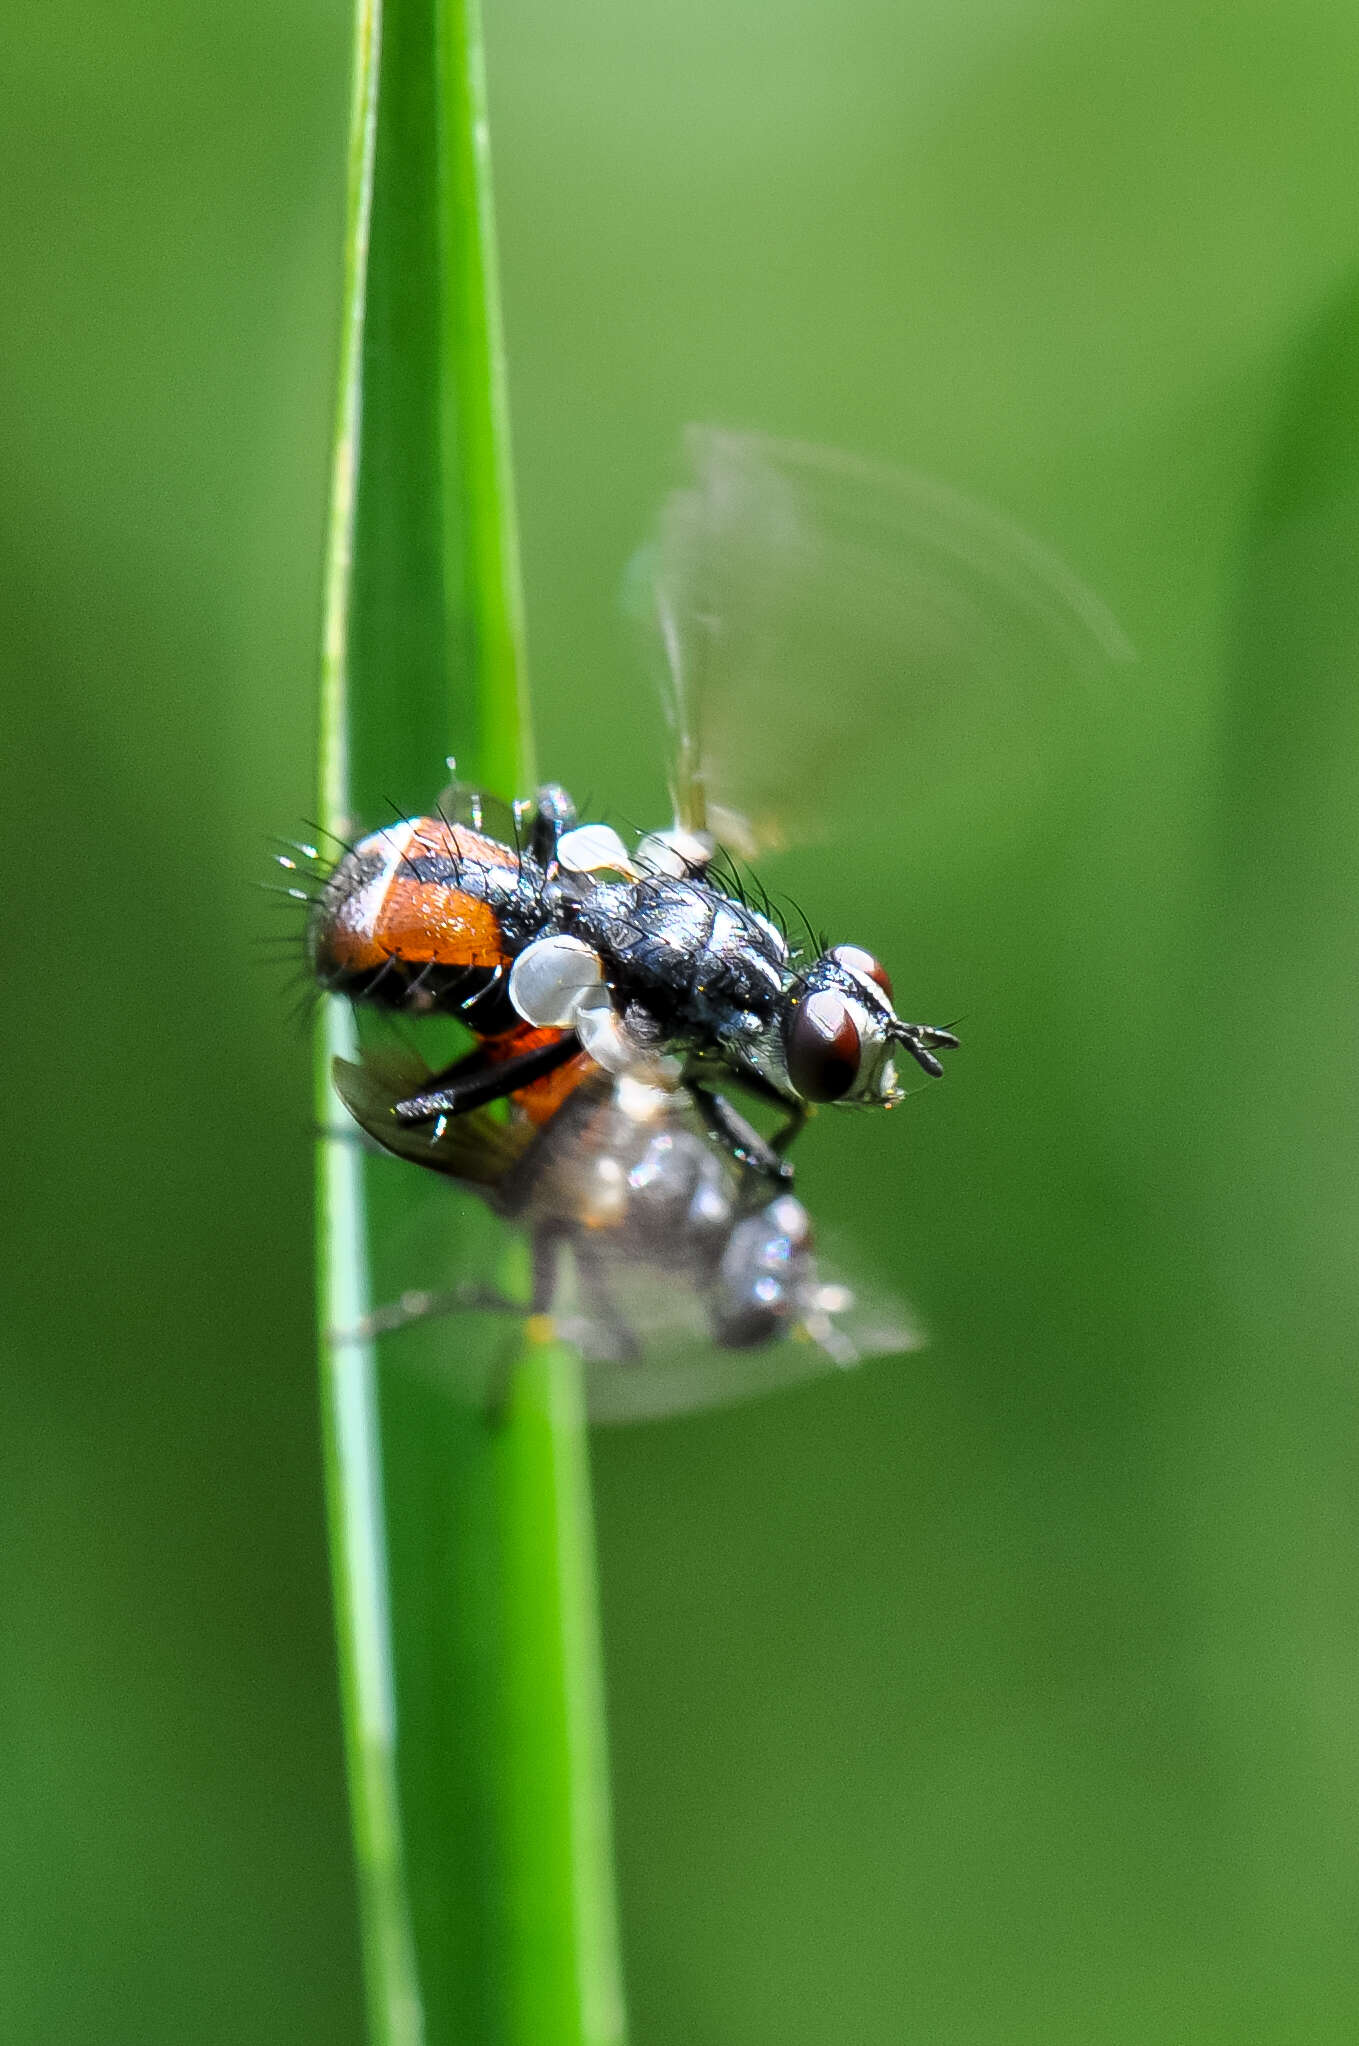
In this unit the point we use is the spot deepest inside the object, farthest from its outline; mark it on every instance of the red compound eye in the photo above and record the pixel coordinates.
(856, 961)
(821, 1045)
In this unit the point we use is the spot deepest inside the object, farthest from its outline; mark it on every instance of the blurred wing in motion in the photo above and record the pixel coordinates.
(808, 609)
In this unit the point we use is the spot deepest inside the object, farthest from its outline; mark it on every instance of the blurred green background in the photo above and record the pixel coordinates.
(1004, 1695)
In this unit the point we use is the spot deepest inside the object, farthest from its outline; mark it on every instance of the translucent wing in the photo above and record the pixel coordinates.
(681, 1370)
(811, 613)
(476, 1149)
(668, 1256)
(496, 816)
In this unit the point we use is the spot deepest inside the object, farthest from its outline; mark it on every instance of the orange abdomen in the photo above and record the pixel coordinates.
(412, 917)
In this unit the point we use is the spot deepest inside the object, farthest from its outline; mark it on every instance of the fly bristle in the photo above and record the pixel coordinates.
(294, 845)
(801, 915)
(305, 875)
(290, 894)
(323, 831)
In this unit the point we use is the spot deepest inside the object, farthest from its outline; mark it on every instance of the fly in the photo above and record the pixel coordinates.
(650, 1245)
(563, 949)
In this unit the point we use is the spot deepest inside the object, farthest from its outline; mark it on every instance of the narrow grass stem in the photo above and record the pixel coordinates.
(462, 1547)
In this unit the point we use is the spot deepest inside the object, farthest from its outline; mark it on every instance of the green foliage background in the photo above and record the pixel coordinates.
(1007, 1695)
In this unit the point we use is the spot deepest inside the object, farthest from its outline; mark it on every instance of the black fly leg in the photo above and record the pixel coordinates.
(474, 1081)
(739, 1136)
(469, 1066)
(794, 1112)
(794, 1124)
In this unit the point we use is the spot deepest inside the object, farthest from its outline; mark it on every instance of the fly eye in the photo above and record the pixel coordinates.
(867, 967)
(821, 1045)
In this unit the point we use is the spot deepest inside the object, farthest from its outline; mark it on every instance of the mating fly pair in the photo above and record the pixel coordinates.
(563, 954)
(607, 994)
(615, 994)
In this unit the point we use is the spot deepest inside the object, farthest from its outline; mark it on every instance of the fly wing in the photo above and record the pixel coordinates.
(689, 1281)
(476, 1149)
(809, 611)
(681, 1370)
(493, 816)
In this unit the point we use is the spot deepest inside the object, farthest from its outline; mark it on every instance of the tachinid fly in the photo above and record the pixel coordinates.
(564, 950)
(683, 1275)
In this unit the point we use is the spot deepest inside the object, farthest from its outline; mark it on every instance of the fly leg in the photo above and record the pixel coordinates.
(792, 1126)
(475, 1080)
(470, 1066)
(417, 1305)
(794, 1113)
(765, 1154)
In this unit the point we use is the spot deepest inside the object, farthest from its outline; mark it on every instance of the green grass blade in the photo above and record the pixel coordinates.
(462, 1547)
(476, 414)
